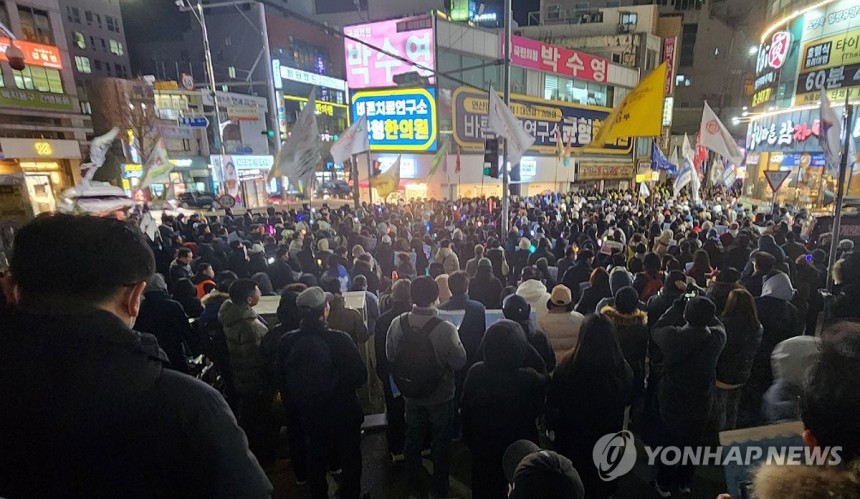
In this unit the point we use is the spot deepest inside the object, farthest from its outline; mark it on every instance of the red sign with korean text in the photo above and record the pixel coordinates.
(35, 54)
(669, 45)
(533, 54)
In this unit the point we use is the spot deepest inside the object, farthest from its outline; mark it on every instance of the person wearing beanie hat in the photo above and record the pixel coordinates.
(540, 474)
(619, 278)
(688, 380)
(485, 287)
(319, 371)
(499, 389)
(561, 324)
(517, 309)
(790, 361)
(631, 324)
(781, 321)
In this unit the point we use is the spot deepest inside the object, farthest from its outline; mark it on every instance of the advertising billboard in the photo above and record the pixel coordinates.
(410, 38)
(829, 58)
(542, 119)
(35, 54)
(398, 119)
(533, 54)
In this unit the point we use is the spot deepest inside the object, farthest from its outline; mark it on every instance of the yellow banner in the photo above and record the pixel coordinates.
(640, 114)
(837, 50)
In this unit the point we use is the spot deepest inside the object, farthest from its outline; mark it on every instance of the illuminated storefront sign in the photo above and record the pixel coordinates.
(244, 162)
(604, 171)
(35, 54)
(367, 67)
(543, 119)
(832, 64)
(398, 119)
(39, 100)
(323, 107)
(533, 54)
(669, 48)
(293, 74)
(797, 132)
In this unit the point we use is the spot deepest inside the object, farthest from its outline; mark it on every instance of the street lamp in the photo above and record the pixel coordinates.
(14, 55)
(197, 11)
(753, 50)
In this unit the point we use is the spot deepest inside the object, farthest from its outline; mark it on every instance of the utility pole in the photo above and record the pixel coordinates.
(506, 202)
(270, 79)
(840, 191)
(210, 70)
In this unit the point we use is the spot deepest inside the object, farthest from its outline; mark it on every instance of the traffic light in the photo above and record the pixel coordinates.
(491, 158)
(268, 133)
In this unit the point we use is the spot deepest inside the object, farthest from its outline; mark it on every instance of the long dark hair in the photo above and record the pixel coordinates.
(701, 261)
(740, 306)
(597, 355)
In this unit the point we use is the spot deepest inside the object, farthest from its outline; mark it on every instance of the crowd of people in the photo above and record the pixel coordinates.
(595, 313)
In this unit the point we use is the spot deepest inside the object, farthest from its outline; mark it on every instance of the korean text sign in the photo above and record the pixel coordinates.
(533, 54)
(368, 68)
(35, 54)
(402, 119)
(543, 119)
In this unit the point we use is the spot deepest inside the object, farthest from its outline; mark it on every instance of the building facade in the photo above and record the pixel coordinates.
(809, 50)
(41, 128)
(95, 35)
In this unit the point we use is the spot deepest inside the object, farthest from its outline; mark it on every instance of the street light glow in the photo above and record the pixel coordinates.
(754, 50)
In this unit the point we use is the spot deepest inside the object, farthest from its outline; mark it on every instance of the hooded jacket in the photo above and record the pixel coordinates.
(535, 294)
(129, 427)
(211, 305)
(632, 331)
(767, 244)
(790, 362)
(619, 278)
(448, 259)
(244, 332)
(501, 398)
(808, 482)
(486, 288)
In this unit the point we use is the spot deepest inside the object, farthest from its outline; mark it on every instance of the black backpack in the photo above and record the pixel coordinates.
(416, 370)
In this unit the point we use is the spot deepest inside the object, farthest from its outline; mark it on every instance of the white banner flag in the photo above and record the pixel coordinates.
(301, 151)
(353, 141)
(715, 136)
(98, 152)
(157, 166)
(716, 173)
(501, 120)
(644, 191)
(831, 135)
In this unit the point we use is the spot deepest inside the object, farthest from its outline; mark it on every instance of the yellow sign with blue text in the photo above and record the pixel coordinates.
(398, 119)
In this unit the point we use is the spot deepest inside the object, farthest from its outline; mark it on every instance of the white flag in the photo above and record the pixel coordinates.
(673, 159)
(98, 151)
(501, 120)
(301, 151)
(157, 166)
(715, 136)
(695, 186)
(716, 173)
(830, 136)
(644, 191)
(685, 176)
(355, 140)
(686, 150)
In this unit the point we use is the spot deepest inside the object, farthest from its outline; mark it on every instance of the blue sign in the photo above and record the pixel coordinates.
(194, 121)
(398, 119)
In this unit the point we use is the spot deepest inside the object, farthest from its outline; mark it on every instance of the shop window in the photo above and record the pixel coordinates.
(40, 79)
(35, 25)
(83, 64)
(116, 48)
(80, 40)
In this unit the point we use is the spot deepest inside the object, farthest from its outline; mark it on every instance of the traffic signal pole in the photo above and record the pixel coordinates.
(506, 202)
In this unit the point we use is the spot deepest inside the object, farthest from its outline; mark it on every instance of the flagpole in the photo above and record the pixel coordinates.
(506, 154)
(353, 171)
(369, 175)
(843, 167)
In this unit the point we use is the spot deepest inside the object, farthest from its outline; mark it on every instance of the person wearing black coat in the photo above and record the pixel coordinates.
(185, 293)
(588, 395)
(485, 287)
(719, 291)
(565, 263)
(394, 405)
(307, 260)
(543, 251)
(384, 254)
(238, 261)
(781, 321)
(738, 255)
(595, 293)
(579, 273)
(280, 272)
(363, 267)
(501, 403)
(165, 319)
(691, 338)
(319, 372)
(517, 309)
(631, 325)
